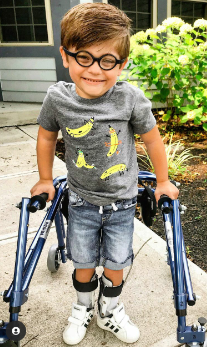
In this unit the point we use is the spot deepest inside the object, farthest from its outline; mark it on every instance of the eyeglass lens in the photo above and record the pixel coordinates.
(85, 59)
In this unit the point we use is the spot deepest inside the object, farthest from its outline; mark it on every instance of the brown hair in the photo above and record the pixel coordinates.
(87, 24)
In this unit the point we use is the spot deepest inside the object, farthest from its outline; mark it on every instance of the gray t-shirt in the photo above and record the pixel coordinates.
(99, 138)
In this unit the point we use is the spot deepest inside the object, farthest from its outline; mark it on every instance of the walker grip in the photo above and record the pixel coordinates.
(37, 202)
(164, 198)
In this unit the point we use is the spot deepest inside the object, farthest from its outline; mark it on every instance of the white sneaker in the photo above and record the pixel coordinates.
(119, 324)
(78, 324)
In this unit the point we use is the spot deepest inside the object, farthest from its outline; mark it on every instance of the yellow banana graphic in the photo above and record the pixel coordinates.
(114, 142)
(81, 161)
(82, 131)
(116, 168)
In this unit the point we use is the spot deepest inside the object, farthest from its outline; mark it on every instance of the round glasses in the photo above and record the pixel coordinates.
(86, 59)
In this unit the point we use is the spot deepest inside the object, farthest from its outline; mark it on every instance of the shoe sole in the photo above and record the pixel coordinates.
(71, 343)
(119, 338)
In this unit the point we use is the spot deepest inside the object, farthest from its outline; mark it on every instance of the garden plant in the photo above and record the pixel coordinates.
(172, 60)
(177, 158)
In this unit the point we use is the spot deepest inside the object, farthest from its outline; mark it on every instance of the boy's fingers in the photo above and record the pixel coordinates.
(51, 195)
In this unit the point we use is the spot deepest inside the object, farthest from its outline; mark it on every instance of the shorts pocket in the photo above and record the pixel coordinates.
(75, 199)
(130, 203)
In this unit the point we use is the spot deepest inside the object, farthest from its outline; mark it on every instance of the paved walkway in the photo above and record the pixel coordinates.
(148, 288)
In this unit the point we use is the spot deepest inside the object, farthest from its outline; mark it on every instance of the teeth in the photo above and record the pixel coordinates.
(87, 79)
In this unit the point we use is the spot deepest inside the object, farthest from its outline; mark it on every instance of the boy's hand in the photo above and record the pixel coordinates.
(166, 188)
(44, 186)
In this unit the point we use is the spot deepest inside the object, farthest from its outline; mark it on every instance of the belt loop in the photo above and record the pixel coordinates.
(115, 208)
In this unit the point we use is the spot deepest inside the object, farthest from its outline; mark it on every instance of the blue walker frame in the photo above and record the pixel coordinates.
(17, 294)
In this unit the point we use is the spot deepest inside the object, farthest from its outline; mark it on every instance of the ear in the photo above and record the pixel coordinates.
(64, 57)
(122, 67)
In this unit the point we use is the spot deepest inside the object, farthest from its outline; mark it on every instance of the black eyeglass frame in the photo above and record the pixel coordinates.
(74, 55)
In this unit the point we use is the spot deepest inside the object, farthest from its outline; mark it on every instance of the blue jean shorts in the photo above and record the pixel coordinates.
(100, 239)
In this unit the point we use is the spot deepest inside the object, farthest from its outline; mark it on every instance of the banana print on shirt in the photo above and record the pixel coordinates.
(82, 162)
(82, 131)
(112, 170)
(114, 142)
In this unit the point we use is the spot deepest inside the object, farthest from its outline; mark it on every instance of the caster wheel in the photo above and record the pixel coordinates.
(53, 259)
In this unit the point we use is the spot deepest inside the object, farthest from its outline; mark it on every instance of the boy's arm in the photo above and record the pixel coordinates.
(156, 150)
(46, 143)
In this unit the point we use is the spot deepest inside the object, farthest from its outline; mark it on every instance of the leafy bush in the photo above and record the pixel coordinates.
(175, 62)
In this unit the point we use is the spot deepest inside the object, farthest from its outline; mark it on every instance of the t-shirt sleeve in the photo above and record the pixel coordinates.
(48, 114)
(142, 118)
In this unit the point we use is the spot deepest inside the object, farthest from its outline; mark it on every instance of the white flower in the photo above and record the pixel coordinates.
(173, 22)
(133, 41)
(196, 49)
(145, 47)
(200, 23)
(138, 37)
(160, 29)
(141, 36)
(191, 115)
(185, 28)
(138, 50)
(150, 32)
(183, 59)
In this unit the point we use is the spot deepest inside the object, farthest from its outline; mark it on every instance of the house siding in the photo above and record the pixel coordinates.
(32, 85)
(58, 9)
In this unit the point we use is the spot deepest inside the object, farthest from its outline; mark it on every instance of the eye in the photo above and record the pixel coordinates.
(108, 61)
(84, 58)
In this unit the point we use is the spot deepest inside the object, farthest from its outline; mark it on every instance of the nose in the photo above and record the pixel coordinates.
(95, 68)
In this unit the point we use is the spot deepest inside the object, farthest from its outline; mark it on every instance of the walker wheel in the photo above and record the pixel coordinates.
(53, 259)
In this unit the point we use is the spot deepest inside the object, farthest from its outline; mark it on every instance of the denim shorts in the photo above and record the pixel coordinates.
(100, 239)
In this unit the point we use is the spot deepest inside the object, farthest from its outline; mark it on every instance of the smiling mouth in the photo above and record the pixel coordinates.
(90, 80)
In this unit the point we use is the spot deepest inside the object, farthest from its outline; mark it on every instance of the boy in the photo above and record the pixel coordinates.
(98, 118)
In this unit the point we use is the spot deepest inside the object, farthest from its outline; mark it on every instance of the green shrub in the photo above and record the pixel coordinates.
(176, 158)
(175, 62)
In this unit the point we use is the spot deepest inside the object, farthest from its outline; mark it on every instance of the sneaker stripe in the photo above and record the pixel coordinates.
(107, 324)
(116, 330)
(86, 325)
(111, 327)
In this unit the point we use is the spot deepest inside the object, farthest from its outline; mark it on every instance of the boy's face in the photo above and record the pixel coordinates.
(92, 82)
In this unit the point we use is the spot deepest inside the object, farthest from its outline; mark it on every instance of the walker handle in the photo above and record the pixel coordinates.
(164, 198)
(37, 202)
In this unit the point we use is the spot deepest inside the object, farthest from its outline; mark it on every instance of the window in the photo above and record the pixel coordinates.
(139, 11)
(189, 11)
(23, 21)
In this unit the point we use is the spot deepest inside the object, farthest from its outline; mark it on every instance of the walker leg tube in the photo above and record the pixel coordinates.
(33, 263)
(167, 219)
(17, 296)
(60, 234)
(180, 297)
(29, 254)
(189, 288)
(50, 215)
(185, 334)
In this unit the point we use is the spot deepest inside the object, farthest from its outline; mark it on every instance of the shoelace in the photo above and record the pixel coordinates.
(115, 208)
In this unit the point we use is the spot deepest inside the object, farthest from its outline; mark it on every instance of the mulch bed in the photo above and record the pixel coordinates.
(193, 190)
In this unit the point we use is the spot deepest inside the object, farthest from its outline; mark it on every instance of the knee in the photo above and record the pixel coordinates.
(84, 275)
